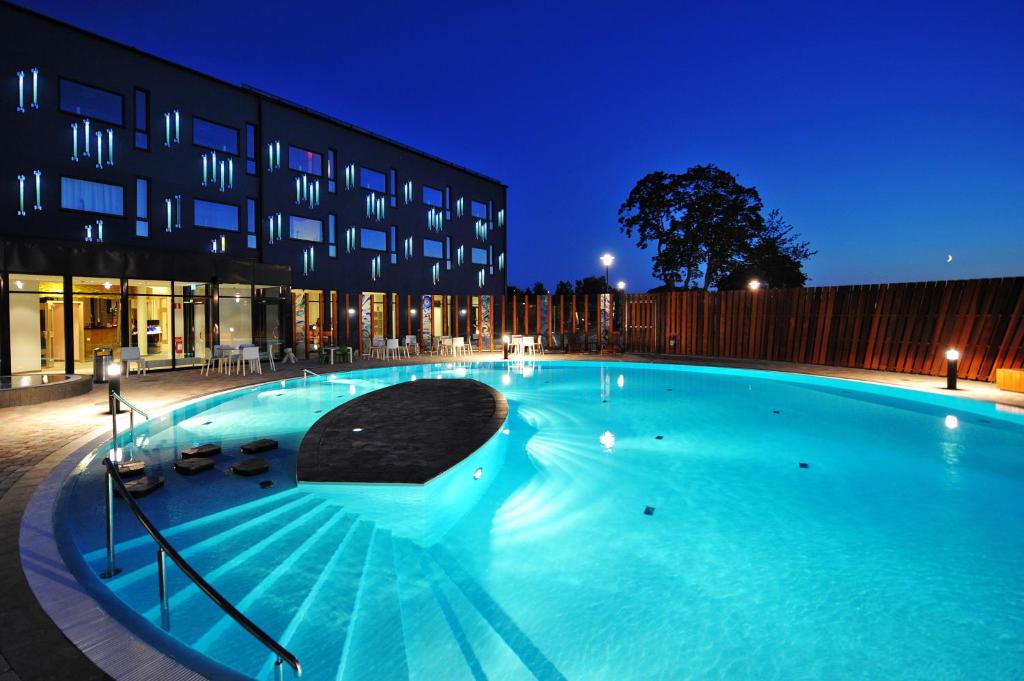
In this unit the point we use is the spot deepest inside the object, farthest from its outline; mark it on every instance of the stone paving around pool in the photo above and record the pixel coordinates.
(33, 439)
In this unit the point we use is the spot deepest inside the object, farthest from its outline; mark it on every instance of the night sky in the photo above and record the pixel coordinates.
(890, 135)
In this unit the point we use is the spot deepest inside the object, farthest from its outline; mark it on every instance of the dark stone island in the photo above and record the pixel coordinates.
(406, 433)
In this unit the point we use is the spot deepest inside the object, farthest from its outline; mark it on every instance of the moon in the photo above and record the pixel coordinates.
(949, 258)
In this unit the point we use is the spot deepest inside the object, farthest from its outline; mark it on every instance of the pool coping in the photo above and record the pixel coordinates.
(87, 642)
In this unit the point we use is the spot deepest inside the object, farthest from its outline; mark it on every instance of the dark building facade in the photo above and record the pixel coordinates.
(146, 204)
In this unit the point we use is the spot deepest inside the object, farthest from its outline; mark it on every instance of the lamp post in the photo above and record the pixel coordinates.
(505, 340)
(754, 284)
(621, 286)
(952, 357)
(114, 386)
(607, 259)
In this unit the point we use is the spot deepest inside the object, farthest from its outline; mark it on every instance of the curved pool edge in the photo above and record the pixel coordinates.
(56, 588)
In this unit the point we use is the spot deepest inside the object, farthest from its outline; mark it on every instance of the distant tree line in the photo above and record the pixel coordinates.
(710, 231)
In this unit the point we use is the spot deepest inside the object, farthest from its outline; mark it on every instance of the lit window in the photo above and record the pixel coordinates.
(141, 207)
(433, 197)
(83, 100)
(91, 197)
(305, 161)
(305, 229)
(433, 249)
(141, 119)
(215, 215)
(332, 236)
(373, 239)
(250, 223)
(332, 186)
(478, 209)
(479, 256)
(250, 149)
(214, 136)
(372, 179)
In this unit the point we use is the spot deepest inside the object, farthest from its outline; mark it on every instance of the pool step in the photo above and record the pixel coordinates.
(267, 603)
(435, 642)
(318, 632)
(496, 659)
(536, 662)
(376, 646)
(236, 577)
(139, 586)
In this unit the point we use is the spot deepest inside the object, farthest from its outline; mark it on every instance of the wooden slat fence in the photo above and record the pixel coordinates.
(890, 327)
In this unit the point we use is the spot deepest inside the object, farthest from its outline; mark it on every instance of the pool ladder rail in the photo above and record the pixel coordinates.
(164, 549)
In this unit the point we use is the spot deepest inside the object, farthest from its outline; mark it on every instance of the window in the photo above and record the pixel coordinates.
(478, 210)
(433, 249)
(250, 149)
(373, 239)
(393, 245)
(433, 197)
(214, 136)
(305, 229)
(332, 186)
(250, 223)
(447, 203)
(215, 215)
(332, 236)
(479, 256)
(141, 119)
(372, 179)
(83, 100)
(305, 161)
(91, 197)
(393, 186)
(141, 207)
(447, 252)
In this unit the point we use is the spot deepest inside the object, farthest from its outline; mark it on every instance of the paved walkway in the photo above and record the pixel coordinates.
(33, 439)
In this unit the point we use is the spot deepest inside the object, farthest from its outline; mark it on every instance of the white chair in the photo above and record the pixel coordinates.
(133, 354)
(446, 345)
(391, 348)
(377, 348)
(289, 356)
(251, 360)
(458, 346)
(411, 345)
(538, 345)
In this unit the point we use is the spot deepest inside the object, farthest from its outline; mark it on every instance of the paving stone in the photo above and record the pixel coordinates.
(204, 450)
(194, 466)
(264, 444)
(250, 467)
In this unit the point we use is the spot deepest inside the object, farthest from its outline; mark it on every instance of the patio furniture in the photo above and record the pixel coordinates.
(458, 346)
(413, 343)
(377, 347)
(391, 348)
(289, 356)
(250, 359)
(133, 354)
(537, 345)
(270, 353)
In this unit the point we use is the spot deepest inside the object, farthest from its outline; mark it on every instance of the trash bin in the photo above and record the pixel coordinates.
(101, 359)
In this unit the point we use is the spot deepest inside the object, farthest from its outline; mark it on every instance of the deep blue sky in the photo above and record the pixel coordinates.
(890, 135)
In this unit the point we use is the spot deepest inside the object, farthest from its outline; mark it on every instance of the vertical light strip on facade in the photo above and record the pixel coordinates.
(21, 91)
(99, 149)
(87, 138)
(39, 191)
(110, 146)
(21, 195)
(74, 142)
(35, 88)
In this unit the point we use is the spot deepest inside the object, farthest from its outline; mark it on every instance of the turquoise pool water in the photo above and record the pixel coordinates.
(897, 553)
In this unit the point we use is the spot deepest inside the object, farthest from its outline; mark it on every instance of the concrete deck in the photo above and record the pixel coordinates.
(407, 433)
(38, 437)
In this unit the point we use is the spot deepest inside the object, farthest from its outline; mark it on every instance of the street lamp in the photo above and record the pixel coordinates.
(621, 285)
(505, 340)
(754, 284)
(952, 357)
(114, 387)
(607, 259)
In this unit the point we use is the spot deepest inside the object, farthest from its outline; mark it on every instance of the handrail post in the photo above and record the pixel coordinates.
(131, 423)
(279, 670)
(111, 570)
(161, 573)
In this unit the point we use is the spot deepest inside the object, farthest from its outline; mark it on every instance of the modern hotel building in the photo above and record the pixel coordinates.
(147, 204)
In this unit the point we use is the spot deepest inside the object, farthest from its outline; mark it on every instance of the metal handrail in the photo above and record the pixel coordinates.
(115, 398)
(165, 549)
(307, 372)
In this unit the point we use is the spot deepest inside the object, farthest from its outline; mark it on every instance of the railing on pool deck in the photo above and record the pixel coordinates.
(132, 409)
(164, 549)
(306, 373)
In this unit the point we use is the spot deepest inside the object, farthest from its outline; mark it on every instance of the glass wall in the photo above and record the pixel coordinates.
(37, 324)
(191, 343)
(270, 315)
(235, 314)
(308, 322)
(149, 320)
(96, 319)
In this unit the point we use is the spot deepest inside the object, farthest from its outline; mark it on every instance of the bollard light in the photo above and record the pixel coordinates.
(505, 340)
(952, 357)
(114, 386)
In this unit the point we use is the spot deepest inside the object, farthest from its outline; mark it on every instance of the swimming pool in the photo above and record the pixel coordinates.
(632, 521)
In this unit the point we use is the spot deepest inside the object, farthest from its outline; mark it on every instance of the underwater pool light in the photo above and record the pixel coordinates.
(478, 473)
(952, 422)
